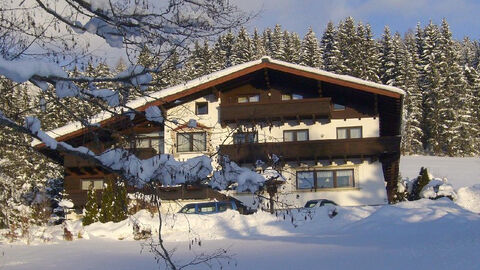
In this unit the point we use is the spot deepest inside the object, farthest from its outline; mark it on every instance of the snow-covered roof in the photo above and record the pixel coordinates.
(216, 77)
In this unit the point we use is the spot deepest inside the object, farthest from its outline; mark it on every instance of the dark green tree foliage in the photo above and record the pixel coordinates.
(293, 47)
(243, 48)
(429, 83)
(387, 58)
(311, 54)
(91, 213)
(331, 53)
(370, 57)
(107, 204)
(257, 45)
(277, 44)
(120, 206)
(407, 79)
(348, 45)
(422, 180)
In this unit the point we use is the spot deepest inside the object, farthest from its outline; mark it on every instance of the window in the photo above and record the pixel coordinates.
(349, 133)
(201, 108)
(207, 208)
(245, 137)
(191, 142)
(151, 140)
(291, 96)
(248, 98)
(295, 135)
(325, 179)
(97, 184)
(338, 107)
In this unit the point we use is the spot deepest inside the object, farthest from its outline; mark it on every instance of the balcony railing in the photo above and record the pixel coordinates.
(312, 108)
(313, 150)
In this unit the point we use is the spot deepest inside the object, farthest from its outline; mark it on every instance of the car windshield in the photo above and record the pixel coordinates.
(310, 204)
(188, 209)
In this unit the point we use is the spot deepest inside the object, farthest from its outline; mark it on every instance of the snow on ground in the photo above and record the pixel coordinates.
(412, 235)
(460, 171)
(424, 234)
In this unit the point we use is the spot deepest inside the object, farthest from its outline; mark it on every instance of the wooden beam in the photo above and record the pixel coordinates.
(319, 86)
(267, 79)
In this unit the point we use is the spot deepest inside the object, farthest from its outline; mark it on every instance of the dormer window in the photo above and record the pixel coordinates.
(248, 98)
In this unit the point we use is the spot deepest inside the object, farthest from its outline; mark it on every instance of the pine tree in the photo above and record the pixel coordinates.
(277, 43)
(106, 210)
(329, 46)
(371, 56)
(429, 83)
(242, 48)
(454, 107)
(387, 58)
(120, 207)
(408, 80)
(348, 42)
(91, 208)
(257, 45)
(311, 55)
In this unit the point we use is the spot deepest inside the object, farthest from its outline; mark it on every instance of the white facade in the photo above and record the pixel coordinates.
(368, 187)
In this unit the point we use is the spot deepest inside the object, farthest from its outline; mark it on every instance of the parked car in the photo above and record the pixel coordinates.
(208, 207)
(319, 203)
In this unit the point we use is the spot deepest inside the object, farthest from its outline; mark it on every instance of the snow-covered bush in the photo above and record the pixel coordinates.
(425, 186)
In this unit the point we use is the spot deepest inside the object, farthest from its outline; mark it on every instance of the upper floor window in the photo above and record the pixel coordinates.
(349, 132)
(245, 137)
(191, 142)
(248, 98)
(152, 141)
(95, 183)
(325, 179)
(201, 108)
(291, 96)
(295, 135)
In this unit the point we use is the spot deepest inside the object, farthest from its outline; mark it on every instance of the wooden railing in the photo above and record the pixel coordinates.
(312, 108)
(313, 150)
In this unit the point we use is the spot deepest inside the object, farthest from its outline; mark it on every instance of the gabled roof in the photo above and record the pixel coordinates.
(191, 87)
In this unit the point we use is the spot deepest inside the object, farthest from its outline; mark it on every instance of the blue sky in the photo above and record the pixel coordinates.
(463, 16)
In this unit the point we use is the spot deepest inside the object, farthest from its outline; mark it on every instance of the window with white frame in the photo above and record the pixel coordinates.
(349, 132)
(319, 179)
(97, 184)
(191, 142)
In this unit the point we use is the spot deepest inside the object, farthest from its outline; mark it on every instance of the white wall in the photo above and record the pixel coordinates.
(370, 186)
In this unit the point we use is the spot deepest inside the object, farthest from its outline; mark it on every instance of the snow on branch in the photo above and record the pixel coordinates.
(154, 114)
(232, 174)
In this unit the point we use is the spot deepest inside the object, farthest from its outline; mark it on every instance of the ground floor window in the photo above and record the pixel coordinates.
(96, 183)
(318, 179)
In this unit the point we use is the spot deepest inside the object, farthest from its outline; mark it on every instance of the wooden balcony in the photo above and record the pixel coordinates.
(312, 108)
(313, 150)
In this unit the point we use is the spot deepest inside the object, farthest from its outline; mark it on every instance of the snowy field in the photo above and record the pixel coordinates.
(460, 172)
(412, 235)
